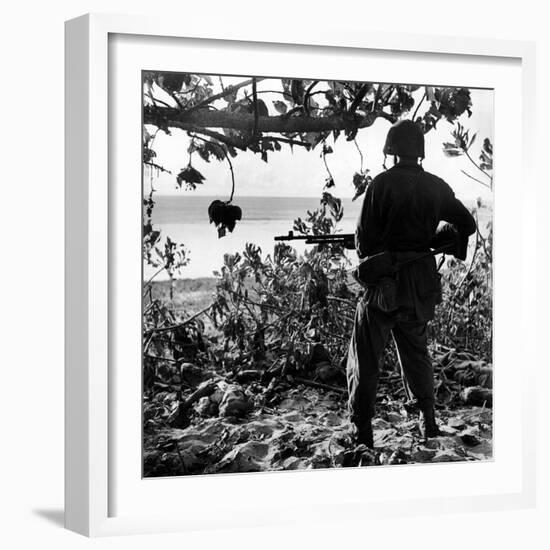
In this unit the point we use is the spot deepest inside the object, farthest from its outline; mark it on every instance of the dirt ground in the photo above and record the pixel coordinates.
(307, 428)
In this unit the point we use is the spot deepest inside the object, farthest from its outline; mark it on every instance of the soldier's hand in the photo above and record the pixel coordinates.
(448, 234)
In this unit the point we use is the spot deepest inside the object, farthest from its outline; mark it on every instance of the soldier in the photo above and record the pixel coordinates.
(401, 211)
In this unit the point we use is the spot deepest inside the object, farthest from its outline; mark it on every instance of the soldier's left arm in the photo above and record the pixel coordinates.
(454, 212)
(366, 232)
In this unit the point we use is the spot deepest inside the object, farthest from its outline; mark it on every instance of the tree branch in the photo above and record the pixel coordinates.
(200, 120)
(256, 113)
(475, 179)
(228, 160)
(360, 153)
(222, 94)
(359, 97)
(418, 106)
(477, 165)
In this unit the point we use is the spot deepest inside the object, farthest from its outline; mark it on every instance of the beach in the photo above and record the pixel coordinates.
(184, 218)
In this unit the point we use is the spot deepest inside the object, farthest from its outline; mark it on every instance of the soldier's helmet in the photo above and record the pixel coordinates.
(405, 139)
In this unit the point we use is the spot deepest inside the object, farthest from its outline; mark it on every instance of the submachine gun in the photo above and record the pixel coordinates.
(347, 240)
(372, 269)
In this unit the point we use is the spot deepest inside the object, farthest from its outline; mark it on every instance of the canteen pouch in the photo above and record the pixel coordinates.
(383, 296)
(378, 274)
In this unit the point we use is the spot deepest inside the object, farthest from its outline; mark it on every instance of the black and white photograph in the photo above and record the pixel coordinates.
(317, 273)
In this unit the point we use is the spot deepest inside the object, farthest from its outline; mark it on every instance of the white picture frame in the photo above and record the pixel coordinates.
(93, 220)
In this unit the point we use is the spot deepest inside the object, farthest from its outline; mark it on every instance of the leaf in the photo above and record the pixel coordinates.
(329, 182)
(360, 181)
(297, 91)
(313, 138)
(333, 204)
(451, 150)
(312, 105)
(430, 93)
(262, 108)
(190, 176)
(172, 82)
(280, 107)
(224, 216)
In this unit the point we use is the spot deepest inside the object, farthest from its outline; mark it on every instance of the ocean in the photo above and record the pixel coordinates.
(184, 218)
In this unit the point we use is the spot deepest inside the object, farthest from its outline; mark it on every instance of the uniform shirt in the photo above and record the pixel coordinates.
(401, 211)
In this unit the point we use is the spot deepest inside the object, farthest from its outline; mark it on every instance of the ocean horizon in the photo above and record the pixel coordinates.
(184, 218)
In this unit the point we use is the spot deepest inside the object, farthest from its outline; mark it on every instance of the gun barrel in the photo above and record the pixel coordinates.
(312, 239)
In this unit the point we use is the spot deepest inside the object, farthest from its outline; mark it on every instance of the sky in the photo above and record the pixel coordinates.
(302, 173)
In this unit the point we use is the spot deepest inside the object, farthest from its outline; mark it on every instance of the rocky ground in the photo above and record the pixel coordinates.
(252, 428)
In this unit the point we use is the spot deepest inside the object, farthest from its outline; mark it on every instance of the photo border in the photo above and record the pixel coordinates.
(87, 256)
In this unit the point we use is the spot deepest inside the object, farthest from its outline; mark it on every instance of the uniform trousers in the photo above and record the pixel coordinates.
(371, 333)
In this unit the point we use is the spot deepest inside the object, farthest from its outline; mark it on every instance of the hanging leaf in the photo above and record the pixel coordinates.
(224, 216)
(172, 82)
(190, 176)
(329, 182)
(262, 108)
(208, 149)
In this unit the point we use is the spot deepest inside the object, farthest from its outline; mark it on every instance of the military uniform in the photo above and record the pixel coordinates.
(401, 212)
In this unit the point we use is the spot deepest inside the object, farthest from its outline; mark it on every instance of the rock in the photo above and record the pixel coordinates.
(264, 427)
(327, 454)
(379, 424)
(423, 455)
(447, 455)
(395, 418)
(476, 395)
(191, 375)
(381, 435)
(248, 375)
(293, 417)
(217, 396)
(234, 402)
(456, 423)
(291, 463)
(328, 374)
(360, 456)
(398, 457)
(319, 354)
(296, 403)
(447, 430)
(470, 439)
(331, 419)
(251, 456)
(206, 407)
(403, 441)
